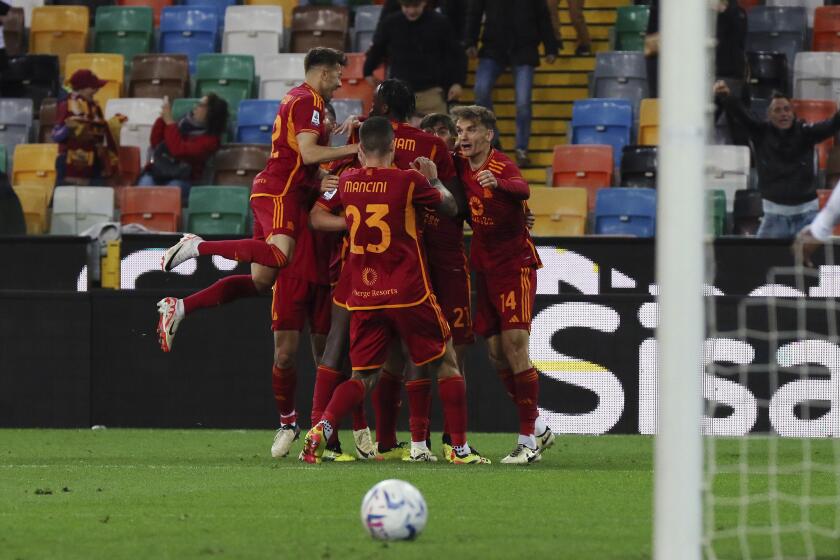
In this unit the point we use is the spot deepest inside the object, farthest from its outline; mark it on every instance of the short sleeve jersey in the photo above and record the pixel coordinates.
(385, 259)
(501, 241)
(331, 202)
(301, 110)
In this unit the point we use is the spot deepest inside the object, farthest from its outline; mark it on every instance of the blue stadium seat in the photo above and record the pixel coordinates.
(218, 6)
(15, 121)
(343, 109)
(191, 30)
(365, 24)
(603, 121)
(780, 29)
(255, 120)
(622, 75)
(626, 212)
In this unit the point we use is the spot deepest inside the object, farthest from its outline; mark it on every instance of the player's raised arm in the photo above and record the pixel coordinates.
(447, 206)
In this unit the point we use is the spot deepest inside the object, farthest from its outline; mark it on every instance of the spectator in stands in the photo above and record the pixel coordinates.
(87, 151)
(784, 159)
(731, 37)
(181, 148)
(454, 10)
(584, 43)
(511, 38)
(422, 49)
(4, 61)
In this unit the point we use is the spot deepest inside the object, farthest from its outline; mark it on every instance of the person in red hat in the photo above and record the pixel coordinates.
(87, 152)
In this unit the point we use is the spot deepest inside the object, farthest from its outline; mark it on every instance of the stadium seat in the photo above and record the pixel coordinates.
(157, 208)
(367, 17)
(816, 75)
(157, 6)
(238, 164)
(815, 110)
(279, 73)
(217, 6)
(15, 121)
(747, 212)
(4, 159)
(28, 6)
(125, 30)
(626, 212)
(777, 29)
(34, 164)
(218, 210)
(832, 169)
(649, 122)
(14, 32)
(92, 6)
(827, 29)
(230, 76)
(108, 67)
(319, 26)
(631, 27)
(716, 212)
(560, 211)
(768, 72)
(142, 114)
(75, 209)
(59, 30)
(255, 120)
(583, 165)
(343, 109)
(130, 165)
(159, 75)
(180, 107)
(809, 5)
(727, 169)
(287, 5)
(621, 75)
(32, 76)
(353, 83)
(34, 205)
(192, 30)
(254, 30)
(602, 121)
(46, 120)
(638, 166)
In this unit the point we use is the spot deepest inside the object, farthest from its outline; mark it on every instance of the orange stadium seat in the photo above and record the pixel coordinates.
(33, 202)
(814, 110)
(353, 83)
(106, 66)
(129, 165)
(34, 164)
(583, 165)
(156, 5)
(13, 32)
(59, 30)
(319, 26)
(827, 28)
(157, 208)
(238, 164)
(560, 211)
(159, 75)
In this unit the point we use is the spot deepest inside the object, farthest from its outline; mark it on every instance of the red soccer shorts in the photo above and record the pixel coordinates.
(422, 327)
(451, 283)
(504, 301)
(275, 215)
(341, 290)
(297, 300)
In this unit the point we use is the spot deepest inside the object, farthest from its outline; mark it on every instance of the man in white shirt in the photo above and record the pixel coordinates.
(812, 236)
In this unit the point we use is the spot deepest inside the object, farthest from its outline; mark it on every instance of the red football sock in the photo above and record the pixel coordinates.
(326, 380)
(360, 417)
(453, 395)
(346, 397)
(419, 406)
(225, 290)
(284, 383)
(245, 250)
(386, 405)
(506, 376)
(527, 391)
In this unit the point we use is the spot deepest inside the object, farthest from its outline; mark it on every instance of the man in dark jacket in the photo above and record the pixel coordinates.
(783, 147)
(423, 50)
(4, 9)
(511, 38)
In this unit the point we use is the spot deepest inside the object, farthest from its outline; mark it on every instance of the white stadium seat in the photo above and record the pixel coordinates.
(75, 209)
(142, 113)
(728, 169)
(816, 75)
(254, 30)
(279, 73)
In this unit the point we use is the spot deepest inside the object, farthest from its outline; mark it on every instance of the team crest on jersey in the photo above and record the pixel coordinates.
(316, 118)
(369, 276)
(476, 207)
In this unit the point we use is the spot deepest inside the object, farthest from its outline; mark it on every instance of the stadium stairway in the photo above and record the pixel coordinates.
(556, 87)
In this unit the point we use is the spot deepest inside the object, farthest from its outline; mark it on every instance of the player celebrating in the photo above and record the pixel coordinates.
(506, 262)
(390, 288)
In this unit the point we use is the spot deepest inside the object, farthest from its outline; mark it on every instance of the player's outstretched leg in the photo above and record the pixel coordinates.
(243, 250)
(171, 311)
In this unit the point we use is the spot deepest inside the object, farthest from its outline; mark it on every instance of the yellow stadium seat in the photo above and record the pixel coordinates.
(287, 5)
(649, 122)
(59, 30)
(559, 211)
(106, 67)
(34, 164)
(34, 205)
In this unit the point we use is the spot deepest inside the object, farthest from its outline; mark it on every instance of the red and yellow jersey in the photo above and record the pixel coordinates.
(444, 238)
(301, 110)
(500, 235)
(330, 202)
(385, 262)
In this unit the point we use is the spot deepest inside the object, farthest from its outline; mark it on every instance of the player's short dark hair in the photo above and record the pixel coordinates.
(323, 56)
(776, 94)
(410, 2)
(433, 120)
(376, 135)
(328, 107)
(399, 97)
(475, 113)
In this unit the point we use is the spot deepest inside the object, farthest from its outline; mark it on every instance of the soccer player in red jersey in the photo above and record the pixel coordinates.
(505, 262)
(390, 291)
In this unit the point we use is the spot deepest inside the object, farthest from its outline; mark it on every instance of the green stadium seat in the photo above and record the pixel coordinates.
(630, 28)
(230, 76)
(125, 30)
(716, 211)
(182, 106)
(216, 210)
(4, 162)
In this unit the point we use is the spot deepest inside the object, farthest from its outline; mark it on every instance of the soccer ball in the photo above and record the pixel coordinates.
(394, 510)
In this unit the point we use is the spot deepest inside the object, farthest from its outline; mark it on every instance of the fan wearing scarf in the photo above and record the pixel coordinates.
(179, 149)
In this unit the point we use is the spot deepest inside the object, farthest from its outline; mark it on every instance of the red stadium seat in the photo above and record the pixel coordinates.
(814, 110)
(748, 4)
(353, 83)
(157, 208)
(583, 165)
(129, 165)
(827, 28)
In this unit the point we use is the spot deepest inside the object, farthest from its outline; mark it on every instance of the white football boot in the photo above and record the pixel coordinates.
(171, 312)
(364, 444)
(545, 440)
(184, 250)
(522, 455)
(283, 440)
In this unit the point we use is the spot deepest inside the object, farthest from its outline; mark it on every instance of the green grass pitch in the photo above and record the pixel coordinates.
(217, 494)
